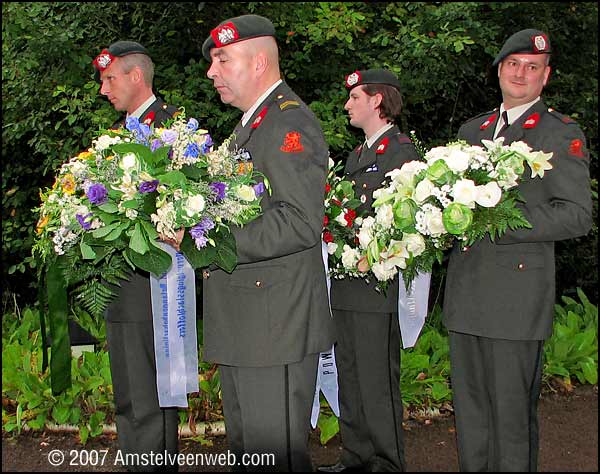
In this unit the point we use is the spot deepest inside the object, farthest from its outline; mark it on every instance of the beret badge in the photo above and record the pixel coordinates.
(353, 79)
(224, 34)
(539, 43)
(103, 60)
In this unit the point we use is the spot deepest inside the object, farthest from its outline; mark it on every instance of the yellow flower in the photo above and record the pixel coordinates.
(42, 223)
(68, 184)
(85, 155)
(111, 157)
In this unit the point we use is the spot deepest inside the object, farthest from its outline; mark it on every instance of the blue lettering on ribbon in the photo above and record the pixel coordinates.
(181, 322)
(165, 317)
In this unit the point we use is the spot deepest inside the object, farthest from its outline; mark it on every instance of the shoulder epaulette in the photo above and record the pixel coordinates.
(489, 112)
(289, 104)
(558, 116)
(171, 110)
(403, 139)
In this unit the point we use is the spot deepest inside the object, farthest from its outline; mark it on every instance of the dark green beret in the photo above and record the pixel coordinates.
(528, 41)
(116, 50)
(372, 76)
(235, 30)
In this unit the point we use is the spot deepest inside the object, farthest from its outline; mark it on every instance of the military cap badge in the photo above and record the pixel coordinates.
(539, 43)
(103, 60)
(224, 34)
(352, 79)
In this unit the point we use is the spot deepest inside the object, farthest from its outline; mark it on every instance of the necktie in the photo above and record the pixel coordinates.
(505, 124)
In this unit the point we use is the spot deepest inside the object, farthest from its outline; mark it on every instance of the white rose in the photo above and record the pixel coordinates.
(423, 190)
(246, 193)
(385, 216)
(331, 248)
(194, 205)
(457, 161)
(340, 219)
(415, 243)
(464, 192)
(350, 257)
(433, 222)
(364, 237)
(488, 195)
(129, 161)
(436, 153)
(382, 272)
(367, 222)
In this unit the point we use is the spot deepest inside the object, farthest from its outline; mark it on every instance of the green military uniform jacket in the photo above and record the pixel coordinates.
(506, 290)
(390, 151)
(273, 308)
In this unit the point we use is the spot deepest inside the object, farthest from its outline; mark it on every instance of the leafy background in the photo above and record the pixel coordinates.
(442, 53)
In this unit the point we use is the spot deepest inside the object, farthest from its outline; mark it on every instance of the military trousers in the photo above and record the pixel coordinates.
(496, 386)
(267, 412)
(142, 425)
(368, 361)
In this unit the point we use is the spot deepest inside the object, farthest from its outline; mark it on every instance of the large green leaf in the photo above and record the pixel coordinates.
(138, 242)
(155, 261)
(197, 258)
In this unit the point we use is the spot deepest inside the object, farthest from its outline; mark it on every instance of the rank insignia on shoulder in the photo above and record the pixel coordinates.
(149, 118)
(382, 146)
(488, 122)
(291, 143)
(576, 148)
(567, 119)
(289, 103)
(372, 169)
(532, 121)
(259, 118)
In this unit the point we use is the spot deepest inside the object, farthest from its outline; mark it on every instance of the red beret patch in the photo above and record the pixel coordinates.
(103, 60)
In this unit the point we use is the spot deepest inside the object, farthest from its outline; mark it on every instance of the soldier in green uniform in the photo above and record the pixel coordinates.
(126, 72)
(266, 322)
(499, 297)
(368, 346)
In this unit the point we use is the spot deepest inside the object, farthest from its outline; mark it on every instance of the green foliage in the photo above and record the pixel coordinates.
(572, 351)
(442, 53)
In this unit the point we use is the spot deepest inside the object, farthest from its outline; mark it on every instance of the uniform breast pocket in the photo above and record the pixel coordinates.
(259, 278)
(520, 261)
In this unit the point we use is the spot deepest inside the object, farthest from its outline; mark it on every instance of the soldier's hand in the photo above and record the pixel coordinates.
(176, 242)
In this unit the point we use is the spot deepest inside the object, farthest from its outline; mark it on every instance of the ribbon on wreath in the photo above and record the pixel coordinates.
(412, 308)
(327, 375)
(175, 338)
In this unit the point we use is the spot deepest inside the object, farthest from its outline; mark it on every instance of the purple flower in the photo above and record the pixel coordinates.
(156, 143)
(207, 144)
(202, 227)
(192, 125)
(219, 189)
(201, 242)
(199, 231)
(145, 130)
(132, 124)
(84, 221)
(149, 186)
(169, 136)
(97, 194)
(192, 150)
(259, 189)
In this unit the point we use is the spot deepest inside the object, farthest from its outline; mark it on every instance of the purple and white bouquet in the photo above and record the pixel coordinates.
(111, 204)
(458, 192)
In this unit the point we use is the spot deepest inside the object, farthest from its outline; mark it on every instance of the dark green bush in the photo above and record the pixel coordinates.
(441, 51)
